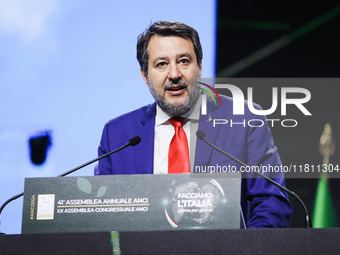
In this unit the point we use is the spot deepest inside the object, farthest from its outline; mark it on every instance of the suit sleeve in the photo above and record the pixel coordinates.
(104, 164)
(269, 206)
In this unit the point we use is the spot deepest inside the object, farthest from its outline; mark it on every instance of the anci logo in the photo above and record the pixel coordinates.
(296, 96)
(195, 204)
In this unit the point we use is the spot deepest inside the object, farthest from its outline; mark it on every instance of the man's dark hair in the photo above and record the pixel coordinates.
(166, 28)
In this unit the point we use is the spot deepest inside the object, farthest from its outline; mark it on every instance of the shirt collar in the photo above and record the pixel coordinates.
(162, 117)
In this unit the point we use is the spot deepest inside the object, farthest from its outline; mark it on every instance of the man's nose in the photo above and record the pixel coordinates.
(174, 72)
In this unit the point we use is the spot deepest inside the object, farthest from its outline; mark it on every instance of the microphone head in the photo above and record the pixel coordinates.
(134, 140)
(200, 134)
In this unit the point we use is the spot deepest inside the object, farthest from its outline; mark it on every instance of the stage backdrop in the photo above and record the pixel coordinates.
(67, 67)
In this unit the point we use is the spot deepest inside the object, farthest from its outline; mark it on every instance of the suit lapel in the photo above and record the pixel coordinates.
(144, 152)
(203, 150)
(146, 130)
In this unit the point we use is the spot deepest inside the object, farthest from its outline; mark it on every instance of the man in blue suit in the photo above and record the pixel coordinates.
(170, 57)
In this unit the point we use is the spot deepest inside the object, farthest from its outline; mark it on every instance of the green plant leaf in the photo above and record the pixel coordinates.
(101, 191)
(84, 185)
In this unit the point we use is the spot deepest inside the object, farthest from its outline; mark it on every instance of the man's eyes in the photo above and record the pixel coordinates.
(184, 61)
(161, 64)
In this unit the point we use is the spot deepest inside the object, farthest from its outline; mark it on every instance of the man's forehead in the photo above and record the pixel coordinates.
(158, 44)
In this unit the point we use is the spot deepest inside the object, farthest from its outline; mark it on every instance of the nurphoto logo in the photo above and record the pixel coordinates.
(280, 98)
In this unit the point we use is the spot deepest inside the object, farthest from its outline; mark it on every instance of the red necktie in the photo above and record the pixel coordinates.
(178, 150)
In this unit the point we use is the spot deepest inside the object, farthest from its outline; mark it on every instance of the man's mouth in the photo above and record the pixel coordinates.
(176, 89)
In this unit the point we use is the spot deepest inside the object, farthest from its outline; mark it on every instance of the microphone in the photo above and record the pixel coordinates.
(132, 142)
(308, 222)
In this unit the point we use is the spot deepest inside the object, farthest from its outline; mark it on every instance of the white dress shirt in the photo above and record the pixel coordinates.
(164, 131)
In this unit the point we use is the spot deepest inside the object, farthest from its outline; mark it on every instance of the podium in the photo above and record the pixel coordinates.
(241, 241)
(160, 241)
(130, 203)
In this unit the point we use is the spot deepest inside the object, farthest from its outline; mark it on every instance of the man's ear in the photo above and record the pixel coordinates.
(144, 76)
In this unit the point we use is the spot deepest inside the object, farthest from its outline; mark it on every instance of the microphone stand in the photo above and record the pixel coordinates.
(132, 142)
(308, 221)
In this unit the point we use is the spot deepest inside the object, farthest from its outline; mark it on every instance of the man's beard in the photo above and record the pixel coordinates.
(181, 108)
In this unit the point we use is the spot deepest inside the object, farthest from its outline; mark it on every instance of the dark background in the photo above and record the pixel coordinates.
(311, 36)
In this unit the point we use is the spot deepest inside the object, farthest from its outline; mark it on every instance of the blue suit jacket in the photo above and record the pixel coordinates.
(264, 205)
